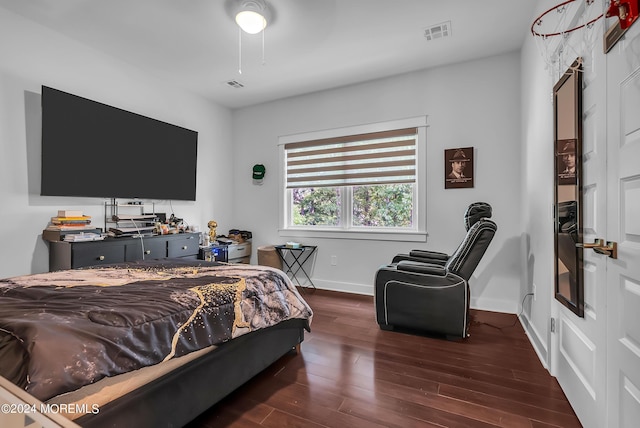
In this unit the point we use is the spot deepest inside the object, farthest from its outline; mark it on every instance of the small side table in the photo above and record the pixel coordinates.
(300, 256)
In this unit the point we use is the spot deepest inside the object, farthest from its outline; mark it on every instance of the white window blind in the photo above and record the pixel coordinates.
(385, 157)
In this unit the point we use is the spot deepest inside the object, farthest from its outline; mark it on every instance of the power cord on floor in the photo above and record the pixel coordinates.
(507, 326)
(139, 235)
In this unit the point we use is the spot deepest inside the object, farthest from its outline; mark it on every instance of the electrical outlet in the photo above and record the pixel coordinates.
(334, 260)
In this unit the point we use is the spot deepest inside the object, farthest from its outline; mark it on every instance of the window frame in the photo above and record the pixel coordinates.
(417, 233)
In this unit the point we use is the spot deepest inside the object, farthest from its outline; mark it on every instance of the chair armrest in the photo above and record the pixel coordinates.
(434, 261)
(422, 268)
(435, 255)
(400, 257)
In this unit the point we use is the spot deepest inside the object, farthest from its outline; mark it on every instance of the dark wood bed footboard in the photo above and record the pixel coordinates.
(178, 397)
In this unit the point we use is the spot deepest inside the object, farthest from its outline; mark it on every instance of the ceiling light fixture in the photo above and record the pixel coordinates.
(252, 17)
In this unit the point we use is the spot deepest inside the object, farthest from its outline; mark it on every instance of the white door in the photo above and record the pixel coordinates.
(623, 226)
(578, 357)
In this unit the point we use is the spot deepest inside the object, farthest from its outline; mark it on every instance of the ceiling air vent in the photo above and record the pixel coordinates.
(438, 31)
(234, 84)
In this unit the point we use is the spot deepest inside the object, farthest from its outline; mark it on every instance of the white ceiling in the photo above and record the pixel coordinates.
(310, 45)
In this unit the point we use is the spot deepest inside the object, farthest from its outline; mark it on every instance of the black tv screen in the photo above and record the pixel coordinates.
(92, 149)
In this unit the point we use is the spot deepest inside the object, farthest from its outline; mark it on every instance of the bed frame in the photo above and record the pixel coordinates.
(179, 396)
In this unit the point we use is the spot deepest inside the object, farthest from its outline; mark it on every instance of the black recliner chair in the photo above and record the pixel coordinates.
(428, 290)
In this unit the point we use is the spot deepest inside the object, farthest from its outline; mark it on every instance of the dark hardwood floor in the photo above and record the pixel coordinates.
(350, 373)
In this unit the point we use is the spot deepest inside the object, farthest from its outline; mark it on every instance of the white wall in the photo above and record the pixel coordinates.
(31, 56)
(474, 103)
(537, 192)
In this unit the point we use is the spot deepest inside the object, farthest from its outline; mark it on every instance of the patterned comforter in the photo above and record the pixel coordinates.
(72, 328)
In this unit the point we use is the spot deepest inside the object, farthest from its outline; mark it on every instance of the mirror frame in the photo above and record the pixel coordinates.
(568, 226)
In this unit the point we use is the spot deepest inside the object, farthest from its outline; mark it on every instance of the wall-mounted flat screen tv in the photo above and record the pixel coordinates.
(91, 149)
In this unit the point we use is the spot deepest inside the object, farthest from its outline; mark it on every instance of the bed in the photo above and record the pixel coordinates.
(148, 343)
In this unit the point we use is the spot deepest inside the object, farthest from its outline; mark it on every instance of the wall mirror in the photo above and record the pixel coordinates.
(567, 104)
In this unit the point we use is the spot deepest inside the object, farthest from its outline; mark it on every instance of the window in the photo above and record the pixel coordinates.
(354, 182)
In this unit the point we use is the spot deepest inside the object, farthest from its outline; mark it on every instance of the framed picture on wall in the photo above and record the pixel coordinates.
(458, 168)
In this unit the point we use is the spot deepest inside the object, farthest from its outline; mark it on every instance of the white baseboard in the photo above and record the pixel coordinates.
(483, 304)
(345, 287)
(536, 340)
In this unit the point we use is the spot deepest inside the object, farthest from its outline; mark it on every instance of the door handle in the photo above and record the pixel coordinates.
(596, 243)
(609, 248)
